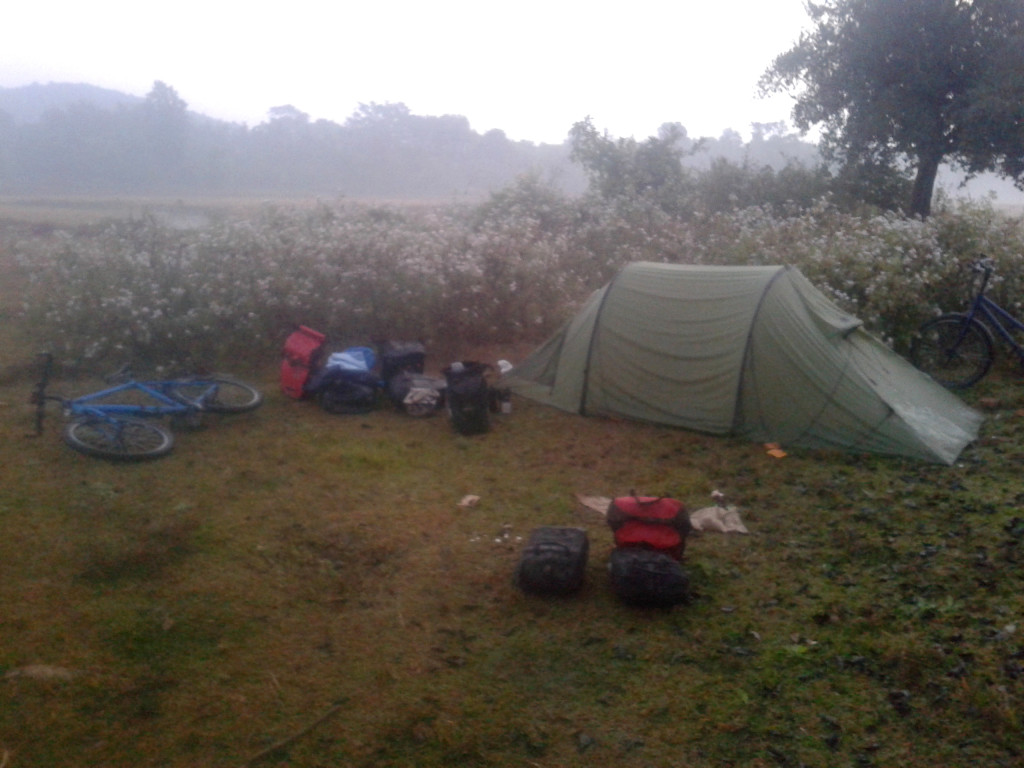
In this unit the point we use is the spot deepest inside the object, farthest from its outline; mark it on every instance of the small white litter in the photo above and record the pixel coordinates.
(598, 504)
(40, 672)
(721, 519)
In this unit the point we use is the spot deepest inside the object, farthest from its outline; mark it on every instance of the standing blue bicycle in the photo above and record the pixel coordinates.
(120, 422)
(958, 349)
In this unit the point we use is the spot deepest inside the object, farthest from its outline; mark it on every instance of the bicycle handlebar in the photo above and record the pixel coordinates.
(121, 375)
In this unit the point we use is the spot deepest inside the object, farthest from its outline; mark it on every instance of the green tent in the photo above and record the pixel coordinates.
(754, 352)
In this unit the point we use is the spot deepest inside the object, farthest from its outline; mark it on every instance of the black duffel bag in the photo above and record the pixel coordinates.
(416, 393)
(401, 357)
(647, 577)
(553, 561)
(344, 392)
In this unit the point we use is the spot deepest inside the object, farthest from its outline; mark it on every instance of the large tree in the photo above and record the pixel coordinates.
(924, 81)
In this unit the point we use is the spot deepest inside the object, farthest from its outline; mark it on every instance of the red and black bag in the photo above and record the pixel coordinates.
(650, 522)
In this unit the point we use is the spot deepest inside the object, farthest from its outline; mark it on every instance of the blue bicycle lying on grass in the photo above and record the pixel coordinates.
(120, 422)
(958, 349)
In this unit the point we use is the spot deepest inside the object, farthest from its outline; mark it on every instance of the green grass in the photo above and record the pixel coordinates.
(214, 603)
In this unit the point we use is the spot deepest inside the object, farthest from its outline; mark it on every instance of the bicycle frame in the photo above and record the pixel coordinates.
(87, 405)
(957, 349)
(994, 316)
(90, 405)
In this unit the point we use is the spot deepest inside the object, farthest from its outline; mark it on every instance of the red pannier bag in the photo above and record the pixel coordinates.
(302, 350)
(650, 522)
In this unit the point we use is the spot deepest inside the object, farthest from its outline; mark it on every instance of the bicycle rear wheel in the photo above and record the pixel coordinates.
(219, 395)
(118, 440)
(953, 350)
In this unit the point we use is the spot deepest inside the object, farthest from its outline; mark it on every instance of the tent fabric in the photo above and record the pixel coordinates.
(753, 352)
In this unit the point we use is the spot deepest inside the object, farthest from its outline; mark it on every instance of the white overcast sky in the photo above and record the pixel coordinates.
(530, 68)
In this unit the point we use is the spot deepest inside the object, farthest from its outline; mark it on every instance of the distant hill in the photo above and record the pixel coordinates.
(27, 103)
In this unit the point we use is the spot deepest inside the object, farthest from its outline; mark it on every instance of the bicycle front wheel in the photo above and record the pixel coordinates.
(118, 440)
(953, 350)
(219, 395)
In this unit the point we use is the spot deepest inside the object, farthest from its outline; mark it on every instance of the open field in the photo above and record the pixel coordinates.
(196, 610)
(77, 210)
(295, 588)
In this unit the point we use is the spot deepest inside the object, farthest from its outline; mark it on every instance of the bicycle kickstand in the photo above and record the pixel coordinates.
(38, 396)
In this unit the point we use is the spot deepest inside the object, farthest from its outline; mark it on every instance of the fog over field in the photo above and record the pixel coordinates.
(521, 75)
(530, 69)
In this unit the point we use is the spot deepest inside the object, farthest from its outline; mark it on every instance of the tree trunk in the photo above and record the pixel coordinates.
(924, 183)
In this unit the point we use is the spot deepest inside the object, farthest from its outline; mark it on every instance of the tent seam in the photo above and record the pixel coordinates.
(830, 399)
(734, 429)
(593, 339)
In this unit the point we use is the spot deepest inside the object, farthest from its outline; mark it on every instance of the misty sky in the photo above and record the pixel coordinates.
(530, 68)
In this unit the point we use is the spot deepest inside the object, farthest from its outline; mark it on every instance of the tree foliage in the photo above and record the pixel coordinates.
(384, 151)
(681, 176)
(164, 131)
(156, 145)
(625, 168)
(921, 80)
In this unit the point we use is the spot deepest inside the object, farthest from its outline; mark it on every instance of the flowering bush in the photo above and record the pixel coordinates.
(512, 268)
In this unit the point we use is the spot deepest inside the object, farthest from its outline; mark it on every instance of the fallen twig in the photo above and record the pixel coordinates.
(287, 742)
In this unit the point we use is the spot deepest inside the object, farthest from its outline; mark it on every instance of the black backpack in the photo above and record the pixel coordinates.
(468, 397)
